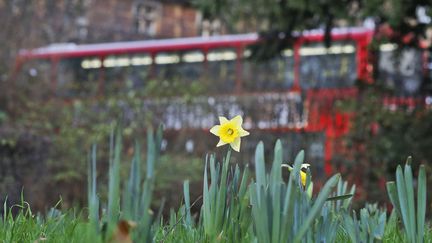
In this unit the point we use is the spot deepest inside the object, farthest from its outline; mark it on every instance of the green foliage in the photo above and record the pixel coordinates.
(225, 213)
(369, 227)
(70, 128)
(344, 195)
(392, 232)
(401, 195)
(174, 87)
(132, 203)
(56, 226)
(114, 177)
(3, 116)
(276, 21)
(235, 208)
(93, 198)
(169, 174)
(375, 140)
(283, 212)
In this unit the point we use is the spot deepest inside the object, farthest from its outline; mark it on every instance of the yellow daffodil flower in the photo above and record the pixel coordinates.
(303, 175)
(230, 132)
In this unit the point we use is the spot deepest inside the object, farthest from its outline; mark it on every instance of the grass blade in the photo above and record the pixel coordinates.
(421, 203)
(401, 189)
(187, 202)
(114, 180)
(394, 197)
(341, 197)
(260, 167)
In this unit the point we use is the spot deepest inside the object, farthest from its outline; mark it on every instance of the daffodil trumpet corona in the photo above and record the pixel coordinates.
(302, 173)
(230, 132)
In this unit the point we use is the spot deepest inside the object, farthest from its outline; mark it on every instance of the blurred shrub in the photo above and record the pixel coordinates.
(62, 131)
(172, 170)
(23, 163)
(380, 137)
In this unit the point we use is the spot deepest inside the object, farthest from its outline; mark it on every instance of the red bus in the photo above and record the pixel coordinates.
(291, 96)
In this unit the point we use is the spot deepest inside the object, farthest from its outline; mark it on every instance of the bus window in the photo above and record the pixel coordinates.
(78, 77)
(123, 73)
(180, 73)
(116, 73)
(140, 68)
(166, 65)
(192, 65)
(322, 67)
(221, 70)
(273, 75)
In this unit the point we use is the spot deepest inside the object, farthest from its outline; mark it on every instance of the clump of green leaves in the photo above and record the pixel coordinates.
(282, 211)
(225, 213)
(369, 227)
(133, 202)
(265, 207)
(402, 196)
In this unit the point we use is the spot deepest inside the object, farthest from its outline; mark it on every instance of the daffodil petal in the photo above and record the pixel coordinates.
(287, 166)
(236, 144)
(243, 132)
(305, 166)
(222, 120)
(215, 130)
(220, 143)
(238, 120)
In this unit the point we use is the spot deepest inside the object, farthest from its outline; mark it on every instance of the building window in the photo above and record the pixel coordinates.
(211, 27)
(82, 27)
(146, 15)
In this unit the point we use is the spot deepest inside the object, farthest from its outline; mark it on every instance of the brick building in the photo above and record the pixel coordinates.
(115, 20)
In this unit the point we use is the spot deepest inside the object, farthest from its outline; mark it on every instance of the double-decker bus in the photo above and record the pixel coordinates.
(291, 96)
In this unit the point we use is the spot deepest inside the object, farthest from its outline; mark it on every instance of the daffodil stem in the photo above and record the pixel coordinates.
(228, 156)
